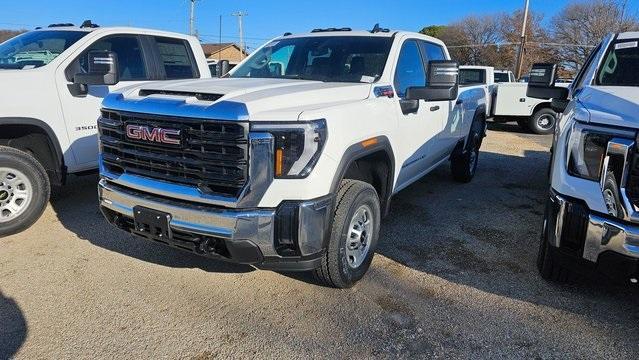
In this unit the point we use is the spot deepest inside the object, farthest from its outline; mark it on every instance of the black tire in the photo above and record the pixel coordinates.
(34, 172)
(335, 269)
(543, 121)
(551, 265)
(611, 196)
(463, 164)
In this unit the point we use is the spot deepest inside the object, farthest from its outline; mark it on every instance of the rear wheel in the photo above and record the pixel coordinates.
(24, 190)
(463, 164)
(354, 235)
(543, 121)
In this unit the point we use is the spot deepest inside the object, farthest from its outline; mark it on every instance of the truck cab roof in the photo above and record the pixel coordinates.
(114, 29)
(348, 32)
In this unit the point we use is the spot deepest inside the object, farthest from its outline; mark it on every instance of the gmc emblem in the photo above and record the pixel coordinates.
(158, 135)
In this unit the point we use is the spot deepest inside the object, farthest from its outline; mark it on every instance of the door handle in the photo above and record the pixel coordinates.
(434, 108)
(459, 102)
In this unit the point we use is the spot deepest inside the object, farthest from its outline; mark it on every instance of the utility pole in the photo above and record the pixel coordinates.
(240, 15)
(192, 18)
(219, 54)
(522, 46)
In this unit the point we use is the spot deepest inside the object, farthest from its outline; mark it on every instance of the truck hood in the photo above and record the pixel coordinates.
(263, 99)
(612, 105)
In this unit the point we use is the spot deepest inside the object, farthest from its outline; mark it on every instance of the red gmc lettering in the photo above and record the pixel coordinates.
(158, 135)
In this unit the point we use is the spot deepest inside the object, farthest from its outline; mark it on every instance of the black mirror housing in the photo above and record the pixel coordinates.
(541, 83)
(103, 69)
(443, 82)
(542, 75)
(223, 67)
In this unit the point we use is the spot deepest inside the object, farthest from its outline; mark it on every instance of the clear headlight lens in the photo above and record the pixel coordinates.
(298, 146)
(587, 150)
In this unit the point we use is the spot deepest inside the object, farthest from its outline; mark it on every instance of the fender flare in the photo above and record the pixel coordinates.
(358, 151)
(58, 154)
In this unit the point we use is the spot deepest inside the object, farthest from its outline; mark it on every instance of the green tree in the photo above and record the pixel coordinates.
(434, 30)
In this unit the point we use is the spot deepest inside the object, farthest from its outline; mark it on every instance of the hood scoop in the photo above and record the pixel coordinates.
(197, 95)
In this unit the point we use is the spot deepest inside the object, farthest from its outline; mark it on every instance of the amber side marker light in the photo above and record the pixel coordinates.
(369, 142)
(278, 162)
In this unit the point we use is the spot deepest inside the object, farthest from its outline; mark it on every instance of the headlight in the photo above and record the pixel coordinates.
(298, 146)
(587, 149)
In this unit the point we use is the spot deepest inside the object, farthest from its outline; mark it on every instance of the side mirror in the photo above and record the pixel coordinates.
(443, 82)
(541, 83)
(103, 69)
(223, 67)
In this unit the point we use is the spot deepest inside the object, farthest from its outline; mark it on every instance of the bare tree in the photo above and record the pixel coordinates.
(8, 34)
(580, 25)
(537, 37)
(472, 40)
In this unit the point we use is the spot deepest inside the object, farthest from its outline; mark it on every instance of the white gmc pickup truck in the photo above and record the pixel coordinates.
(49, 106)
(289, 162)
(591, 220)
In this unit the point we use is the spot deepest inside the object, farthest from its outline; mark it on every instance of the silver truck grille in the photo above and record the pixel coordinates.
(211, 155)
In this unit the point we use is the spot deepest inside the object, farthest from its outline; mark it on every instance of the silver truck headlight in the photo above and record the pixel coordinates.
(298, 146)
(587, 148)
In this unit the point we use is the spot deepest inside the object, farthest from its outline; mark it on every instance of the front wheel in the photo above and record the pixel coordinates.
(543, 121)
(24, 190)
(550, 264)
(354, 235)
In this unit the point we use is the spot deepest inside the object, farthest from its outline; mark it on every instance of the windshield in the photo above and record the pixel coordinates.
(36, 48)
(471, 76)
(620, 65)
(323, 58)
(501, 77)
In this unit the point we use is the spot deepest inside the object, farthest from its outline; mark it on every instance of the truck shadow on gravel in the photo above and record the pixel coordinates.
(485, 235)
(13, 327)
(78, 211)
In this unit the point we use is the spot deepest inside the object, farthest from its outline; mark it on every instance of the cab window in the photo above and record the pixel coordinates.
(410, 68)
(176, 58)
(130, 56)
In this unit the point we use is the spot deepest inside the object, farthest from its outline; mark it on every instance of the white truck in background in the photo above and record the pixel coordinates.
(290, 161)
(508, 101)
(50, 102)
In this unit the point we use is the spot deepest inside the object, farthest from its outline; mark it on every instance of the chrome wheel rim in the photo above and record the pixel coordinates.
(546, 121)
(611, 203)
(359, 236)
(16, 193)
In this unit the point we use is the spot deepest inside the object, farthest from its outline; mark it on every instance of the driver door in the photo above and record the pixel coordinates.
(81, 110)
(417, 130)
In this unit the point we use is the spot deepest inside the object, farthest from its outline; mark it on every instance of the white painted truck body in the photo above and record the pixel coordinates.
(44, 115)
(592, 214)
(72, 118)
(359, 117)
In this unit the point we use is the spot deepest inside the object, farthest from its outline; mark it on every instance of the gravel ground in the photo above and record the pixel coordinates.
(454, 277)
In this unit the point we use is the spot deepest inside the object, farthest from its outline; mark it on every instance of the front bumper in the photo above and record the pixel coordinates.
(291, 237)
(596, 239)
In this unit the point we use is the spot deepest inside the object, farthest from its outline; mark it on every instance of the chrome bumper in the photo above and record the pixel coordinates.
(601, 233)
(255, 228)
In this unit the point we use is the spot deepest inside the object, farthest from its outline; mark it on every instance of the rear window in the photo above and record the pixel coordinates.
(619, 67)
(502, 77)
(472, 76)
(176, 58)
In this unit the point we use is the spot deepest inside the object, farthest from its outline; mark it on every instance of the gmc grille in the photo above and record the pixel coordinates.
(213, 155)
